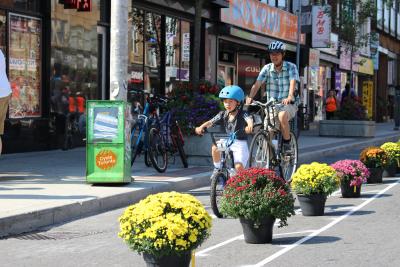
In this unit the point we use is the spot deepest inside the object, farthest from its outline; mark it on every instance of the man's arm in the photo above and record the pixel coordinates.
(254, 89)
(294, 77)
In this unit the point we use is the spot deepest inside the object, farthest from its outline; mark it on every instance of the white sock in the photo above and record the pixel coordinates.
(217, 165)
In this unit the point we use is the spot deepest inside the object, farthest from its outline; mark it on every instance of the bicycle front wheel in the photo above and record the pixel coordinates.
(289, 161)
(136, 145)
(259, 151)
(157, 151)
(218, 181)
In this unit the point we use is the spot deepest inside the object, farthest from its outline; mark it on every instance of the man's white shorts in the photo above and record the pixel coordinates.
(240, 151)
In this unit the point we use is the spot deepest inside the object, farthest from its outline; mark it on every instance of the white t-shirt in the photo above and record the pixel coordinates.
(5, 88)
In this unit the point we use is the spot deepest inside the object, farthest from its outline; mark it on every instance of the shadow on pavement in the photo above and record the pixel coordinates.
(369, 195)
(343, 212)
(293, 239)
(38, 197)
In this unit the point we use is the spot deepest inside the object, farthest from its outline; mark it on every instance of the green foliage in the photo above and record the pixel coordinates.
(351, 109)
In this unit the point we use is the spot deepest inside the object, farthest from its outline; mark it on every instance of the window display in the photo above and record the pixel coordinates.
(25, 66)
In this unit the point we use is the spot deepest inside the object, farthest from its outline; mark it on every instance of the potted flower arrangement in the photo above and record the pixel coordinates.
(312, 184)
(375, 159)
(393, 152)
(257, 197)
(351, 173)
(165, 228)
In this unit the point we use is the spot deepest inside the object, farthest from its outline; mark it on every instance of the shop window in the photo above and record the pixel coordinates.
(24, 66)
(393, 19)
(386, 19)
(379, 16)
(136, 51)
(153, 52)
(74, 56)
(172, 51)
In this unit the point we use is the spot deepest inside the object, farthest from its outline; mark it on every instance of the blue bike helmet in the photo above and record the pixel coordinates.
(276, 46)
(232, 92)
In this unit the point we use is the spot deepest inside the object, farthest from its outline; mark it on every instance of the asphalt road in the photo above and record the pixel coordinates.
(353, 232)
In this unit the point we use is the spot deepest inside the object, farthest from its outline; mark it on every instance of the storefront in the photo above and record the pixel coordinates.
(241, 44)
(50, 49)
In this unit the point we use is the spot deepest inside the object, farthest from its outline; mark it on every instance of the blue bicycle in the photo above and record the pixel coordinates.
(146, 138)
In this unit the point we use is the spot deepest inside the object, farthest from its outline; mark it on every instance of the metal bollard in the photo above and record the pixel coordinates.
(397, 109)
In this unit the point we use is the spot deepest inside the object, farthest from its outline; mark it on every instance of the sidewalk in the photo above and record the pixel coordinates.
(43, 188)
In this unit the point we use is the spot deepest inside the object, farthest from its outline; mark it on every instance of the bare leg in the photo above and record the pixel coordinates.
(216, 155)
(284, 123)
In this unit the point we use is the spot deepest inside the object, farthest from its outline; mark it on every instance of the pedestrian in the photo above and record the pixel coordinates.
(5, 95)
(330, 105)
(346, 93)
(280, 78)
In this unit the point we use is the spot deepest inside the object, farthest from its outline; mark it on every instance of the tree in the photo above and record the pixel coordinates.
(197, 43)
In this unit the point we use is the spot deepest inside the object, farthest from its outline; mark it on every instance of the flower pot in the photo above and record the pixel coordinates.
(173, 260)
(349, 191)
(312, 205)
(375, 175)
(258, 233)
(390, 170)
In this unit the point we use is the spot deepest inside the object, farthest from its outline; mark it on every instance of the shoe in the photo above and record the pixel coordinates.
(287, 148)
(215, 171)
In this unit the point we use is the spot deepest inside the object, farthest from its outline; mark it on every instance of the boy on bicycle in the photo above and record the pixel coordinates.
(234, 120)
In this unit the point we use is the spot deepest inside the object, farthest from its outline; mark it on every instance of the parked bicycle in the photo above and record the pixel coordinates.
(266, 145)
(224, 172)
(148, 139)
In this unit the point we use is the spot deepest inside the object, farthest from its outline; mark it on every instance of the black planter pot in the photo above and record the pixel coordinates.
(375, 175)
(390, 171)
(258, 233)
(312, 205)
(182, 260)
(348, 191)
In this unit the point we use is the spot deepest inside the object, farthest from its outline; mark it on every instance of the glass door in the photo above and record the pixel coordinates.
(226, 75)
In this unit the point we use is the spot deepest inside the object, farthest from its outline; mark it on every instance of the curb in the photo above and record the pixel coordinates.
(32, 221)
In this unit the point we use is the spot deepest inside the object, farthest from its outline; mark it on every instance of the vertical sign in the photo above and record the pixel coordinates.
(375, 50)
(367, 97)
(321, 26)
(84, 5)
(186, 47)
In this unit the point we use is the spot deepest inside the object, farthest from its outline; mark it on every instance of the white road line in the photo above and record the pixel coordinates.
(202, 253)
(326, 227)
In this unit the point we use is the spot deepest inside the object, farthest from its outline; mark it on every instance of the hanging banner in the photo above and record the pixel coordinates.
(375, 50)
(321, 26)
(368, 97)
(259, 17)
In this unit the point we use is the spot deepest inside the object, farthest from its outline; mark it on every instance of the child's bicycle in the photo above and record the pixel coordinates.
(226, 169)
(265, 148)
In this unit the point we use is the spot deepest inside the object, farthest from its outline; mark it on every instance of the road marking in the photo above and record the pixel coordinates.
(326, 227)
(202, 253)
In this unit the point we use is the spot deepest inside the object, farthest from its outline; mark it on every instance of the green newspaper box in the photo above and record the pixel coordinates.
(108, 148)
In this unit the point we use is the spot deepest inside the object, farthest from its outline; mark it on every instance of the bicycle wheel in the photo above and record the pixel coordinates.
(177, 141)
(136, 147)
(259, 151)
(218, 181)
(147, 160)
(289, 162)
(157, 150)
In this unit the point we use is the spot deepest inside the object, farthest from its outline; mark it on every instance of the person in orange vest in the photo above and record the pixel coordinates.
(330, 105)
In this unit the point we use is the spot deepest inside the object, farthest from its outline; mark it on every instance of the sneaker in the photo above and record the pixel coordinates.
(287, 148)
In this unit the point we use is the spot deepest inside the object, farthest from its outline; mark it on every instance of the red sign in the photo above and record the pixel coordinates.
(84, 5)
(248, 68)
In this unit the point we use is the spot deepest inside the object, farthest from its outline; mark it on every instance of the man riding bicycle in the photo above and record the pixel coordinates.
(280, 78)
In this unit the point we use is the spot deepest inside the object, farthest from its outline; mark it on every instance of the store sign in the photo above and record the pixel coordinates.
(186, 47)
(259, 17)
(368, 97)
(338, 81)
(84, 6)
(313, 59)
(321, 26)
(137, 76)
(333, 45)
(248, 68)
(366, 66)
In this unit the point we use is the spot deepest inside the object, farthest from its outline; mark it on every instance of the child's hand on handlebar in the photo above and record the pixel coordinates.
(199, 130)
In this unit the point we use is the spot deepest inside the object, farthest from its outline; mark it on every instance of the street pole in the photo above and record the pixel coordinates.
(119, 50)
(298, 35)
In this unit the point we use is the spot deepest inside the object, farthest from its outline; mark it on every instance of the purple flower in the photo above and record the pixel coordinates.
(352, 171)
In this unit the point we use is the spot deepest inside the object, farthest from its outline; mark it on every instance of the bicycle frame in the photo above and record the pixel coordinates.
(144, 120)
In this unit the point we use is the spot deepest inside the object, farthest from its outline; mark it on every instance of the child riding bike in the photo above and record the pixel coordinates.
(234, 120)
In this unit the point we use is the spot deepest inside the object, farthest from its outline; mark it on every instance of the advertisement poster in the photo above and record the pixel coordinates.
(24, 66)
(368, 97)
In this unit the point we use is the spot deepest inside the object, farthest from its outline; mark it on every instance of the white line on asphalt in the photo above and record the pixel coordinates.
(326, 227)
(202, 253)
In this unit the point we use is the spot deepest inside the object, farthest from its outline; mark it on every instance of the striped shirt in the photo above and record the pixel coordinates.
(278, 83)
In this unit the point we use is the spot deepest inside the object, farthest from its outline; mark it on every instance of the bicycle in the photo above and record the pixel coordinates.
(147, 138)
(265, 147)
(226, 169)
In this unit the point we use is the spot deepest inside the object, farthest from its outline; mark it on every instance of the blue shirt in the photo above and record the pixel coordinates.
(278, 83)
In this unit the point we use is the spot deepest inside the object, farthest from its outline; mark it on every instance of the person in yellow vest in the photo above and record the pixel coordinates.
(330, 105)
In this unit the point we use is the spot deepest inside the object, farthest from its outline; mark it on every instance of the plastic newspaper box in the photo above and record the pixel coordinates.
(108, 148)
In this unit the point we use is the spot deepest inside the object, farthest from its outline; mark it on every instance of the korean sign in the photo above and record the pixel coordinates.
(321, 26)
(259, 17)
